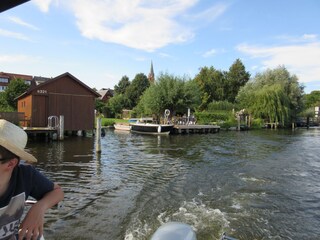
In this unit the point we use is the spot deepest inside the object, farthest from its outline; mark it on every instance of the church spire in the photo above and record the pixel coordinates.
(151, 74)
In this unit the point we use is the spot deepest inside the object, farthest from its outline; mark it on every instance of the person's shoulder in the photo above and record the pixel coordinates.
(25, 165)
(26, 168)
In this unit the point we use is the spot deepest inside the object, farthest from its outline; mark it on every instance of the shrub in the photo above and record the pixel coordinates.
(107, 122)
(220, 105)
(257, 123)
(211, 117)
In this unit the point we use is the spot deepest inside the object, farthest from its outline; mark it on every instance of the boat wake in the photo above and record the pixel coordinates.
(207, 223)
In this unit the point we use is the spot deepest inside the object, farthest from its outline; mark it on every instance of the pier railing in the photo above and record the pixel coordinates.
(184, 121)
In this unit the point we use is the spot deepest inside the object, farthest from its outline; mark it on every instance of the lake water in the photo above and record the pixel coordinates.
(252, 185)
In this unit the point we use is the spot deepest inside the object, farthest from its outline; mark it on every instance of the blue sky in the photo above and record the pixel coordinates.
(99, 41)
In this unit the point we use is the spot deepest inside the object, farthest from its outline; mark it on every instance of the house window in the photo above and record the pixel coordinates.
(3, 88)
(4, 80)
(27, 82)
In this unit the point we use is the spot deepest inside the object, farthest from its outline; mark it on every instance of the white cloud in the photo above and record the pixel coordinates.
(6, 33)
(22, 23)
(298, 39)
(209, 53)
(211, 13)
(310, 36)
(165, 55)
(135, 24)
(43, 4)
(140, 59)
(12, 58)
(300, 59)
(141, 24)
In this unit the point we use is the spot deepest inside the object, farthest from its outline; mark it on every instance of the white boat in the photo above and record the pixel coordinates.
(122, 127)
(125, 126)
(152, 128)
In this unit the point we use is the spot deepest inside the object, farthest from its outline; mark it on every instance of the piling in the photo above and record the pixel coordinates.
(98, 136)
(61, 127)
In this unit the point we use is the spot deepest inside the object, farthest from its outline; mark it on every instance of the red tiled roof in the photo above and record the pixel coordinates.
(14, 75)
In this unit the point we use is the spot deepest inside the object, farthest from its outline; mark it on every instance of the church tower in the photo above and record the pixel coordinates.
(151, 75)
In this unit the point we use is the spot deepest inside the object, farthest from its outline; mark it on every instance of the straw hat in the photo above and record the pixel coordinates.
(14, 139)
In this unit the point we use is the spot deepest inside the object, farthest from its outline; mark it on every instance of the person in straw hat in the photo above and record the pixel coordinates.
(19, 181)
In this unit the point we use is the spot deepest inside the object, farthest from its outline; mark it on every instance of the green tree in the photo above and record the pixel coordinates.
(170, 92)
(99, 105)
(211, 86)
(138, 85)
(274, 94)
(116, 104)
(312, 99)
(271, 102)
(192, 94)
(15, 88)
(4, 106)
(122, 86)
(234, 79)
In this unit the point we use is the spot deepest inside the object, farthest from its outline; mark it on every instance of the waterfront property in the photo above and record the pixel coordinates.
(64, 95)
(106, 94)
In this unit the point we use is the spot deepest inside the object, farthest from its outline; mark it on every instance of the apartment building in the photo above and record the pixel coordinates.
(6, 78)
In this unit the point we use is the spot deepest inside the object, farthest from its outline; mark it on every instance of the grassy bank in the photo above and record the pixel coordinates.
(110, 121)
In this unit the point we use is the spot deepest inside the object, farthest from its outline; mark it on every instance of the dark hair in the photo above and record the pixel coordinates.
(6, 155)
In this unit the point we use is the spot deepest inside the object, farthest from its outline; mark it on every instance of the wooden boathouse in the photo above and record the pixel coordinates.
(64, 95)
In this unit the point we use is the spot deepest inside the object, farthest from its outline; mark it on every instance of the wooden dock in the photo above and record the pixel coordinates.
(41, 132)
(192, 128)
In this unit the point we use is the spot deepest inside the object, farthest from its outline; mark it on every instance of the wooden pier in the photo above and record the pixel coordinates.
(192, 128)
(41, 132)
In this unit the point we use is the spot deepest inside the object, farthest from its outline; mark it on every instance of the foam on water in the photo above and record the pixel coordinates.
(203, 219)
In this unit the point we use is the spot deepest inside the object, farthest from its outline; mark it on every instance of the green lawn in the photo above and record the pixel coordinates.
(111, 121)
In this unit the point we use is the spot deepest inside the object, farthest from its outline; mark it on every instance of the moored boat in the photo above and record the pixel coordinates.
(152, 128)
(122, 127)
(146, 126)
(125, 126)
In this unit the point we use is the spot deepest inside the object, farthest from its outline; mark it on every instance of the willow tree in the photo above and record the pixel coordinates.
(274, 94)
(271, 102)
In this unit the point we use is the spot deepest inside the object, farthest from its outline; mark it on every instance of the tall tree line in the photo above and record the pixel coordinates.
(274, 94)
(217, 85)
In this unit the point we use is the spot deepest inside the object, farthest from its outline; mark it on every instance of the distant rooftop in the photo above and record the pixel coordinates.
(38, 80)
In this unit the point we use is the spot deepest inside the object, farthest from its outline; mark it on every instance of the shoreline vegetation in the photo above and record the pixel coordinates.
(228, 99)
(271, 99)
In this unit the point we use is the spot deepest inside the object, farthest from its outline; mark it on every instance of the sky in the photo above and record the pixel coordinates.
(100, 41)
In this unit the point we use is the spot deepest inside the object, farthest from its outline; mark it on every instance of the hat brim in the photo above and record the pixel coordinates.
(19, 152)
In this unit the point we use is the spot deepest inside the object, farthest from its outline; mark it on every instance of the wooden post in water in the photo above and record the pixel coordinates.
(98, 135)
(61, 127)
